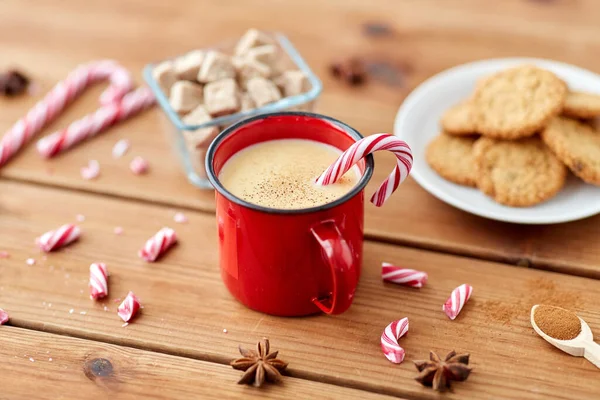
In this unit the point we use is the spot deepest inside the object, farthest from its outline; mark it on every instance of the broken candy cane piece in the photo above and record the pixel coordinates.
(457, 300)
(60, 237)
(389, 340)
(3, 317)
(98, 281)
(158, 244)
(129, 307)
(403, 276)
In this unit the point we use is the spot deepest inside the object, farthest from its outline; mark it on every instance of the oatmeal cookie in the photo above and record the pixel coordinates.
(518, 173)
(452, 158)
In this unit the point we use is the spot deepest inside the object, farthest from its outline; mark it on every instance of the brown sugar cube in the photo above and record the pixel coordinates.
(187, 66)
(185, 96)
(266, 54)
(293, 83)
(252, 38)
(248, 68)
(262, 91)
(164, 75)
(199, 138)
(215, 67)
(246, 102)
(221, 97)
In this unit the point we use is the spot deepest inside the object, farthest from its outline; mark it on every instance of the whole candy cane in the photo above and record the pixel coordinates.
(92, 124)
(457, 300)
(158, 244)
(129, 307)
(60, 237)
(403, 276)
(47, 109)
(364, 147)
(98, 281)
(389, 340)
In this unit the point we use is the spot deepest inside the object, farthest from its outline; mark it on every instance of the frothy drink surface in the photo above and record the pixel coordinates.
(281, 174)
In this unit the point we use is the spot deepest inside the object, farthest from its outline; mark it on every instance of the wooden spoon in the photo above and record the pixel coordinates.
(582, 345)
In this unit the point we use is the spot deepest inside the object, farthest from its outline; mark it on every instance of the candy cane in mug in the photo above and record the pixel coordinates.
(98, 281)
(457, 300)
(389, 340)
(47, 109)
(364, 147)
(58, 238)
(403, 276)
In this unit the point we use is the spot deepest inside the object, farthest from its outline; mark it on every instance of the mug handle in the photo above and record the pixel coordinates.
(343, 268)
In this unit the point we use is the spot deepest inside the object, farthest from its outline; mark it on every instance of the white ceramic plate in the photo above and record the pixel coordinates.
(417, 124)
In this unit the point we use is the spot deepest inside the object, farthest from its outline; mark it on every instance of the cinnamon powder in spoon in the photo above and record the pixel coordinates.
(557, 322)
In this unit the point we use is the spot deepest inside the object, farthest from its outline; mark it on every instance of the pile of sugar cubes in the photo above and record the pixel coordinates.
(205, 84)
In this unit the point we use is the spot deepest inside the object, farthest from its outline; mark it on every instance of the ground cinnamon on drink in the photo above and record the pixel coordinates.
(557, 322)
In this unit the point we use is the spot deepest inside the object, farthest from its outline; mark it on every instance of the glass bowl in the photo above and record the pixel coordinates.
(193, 159)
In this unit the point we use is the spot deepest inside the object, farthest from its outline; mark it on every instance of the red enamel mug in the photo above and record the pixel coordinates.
(289, 262)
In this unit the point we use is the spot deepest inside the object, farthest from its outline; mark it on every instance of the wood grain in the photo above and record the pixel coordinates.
(187, 307)
(426, 37)
(69, 368)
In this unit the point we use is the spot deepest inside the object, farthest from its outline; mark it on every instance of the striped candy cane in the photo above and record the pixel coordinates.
(158, 244)
(403, 276)
(47, 109)
(129, 307)
(98, 281)
(389, 340)
(457, 300)
(95, 123)
(60, 237)
(364, 147)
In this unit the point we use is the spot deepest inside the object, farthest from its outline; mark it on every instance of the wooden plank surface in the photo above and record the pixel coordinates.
(187, 307)
(69, 368)
(428, 36)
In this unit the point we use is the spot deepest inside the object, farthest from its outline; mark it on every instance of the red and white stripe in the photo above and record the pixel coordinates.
(457, 300)
(389, 340)
(364, 147)
(47, 109)
(158, 244)
(403, 276)
(129, 307)
(3, 317)
(58, 238)
(98, 281)
(95, 123)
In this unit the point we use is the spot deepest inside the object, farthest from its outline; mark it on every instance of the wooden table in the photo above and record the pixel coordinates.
(57, 339)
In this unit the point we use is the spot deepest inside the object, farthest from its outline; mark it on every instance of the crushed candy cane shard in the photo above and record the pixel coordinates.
(180, 218)
(158, 244)
(58, 238)
(389, 340)
(3, 317)
(120, 148)
(403, 276)
(4, 254)
(98, 281)
(91, 171)
(457, 300)
(129, 307)
(139, 166)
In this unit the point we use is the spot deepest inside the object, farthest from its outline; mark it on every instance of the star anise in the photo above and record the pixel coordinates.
(438, 374)
(260, 365)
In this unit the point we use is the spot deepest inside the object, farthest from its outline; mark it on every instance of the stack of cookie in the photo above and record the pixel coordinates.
(516, 137)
